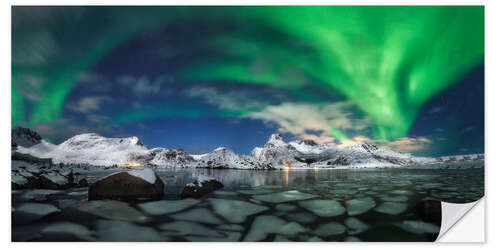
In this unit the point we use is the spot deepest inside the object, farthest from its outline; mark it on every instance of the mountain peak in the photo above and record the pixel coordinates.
(369, 147)
(25, 137)
(308, 142)
(276, 140)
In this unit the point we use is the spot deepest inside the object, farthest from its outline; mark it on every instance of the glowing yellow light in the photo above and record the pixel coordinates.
(287, 172)
(130, 164)
(133, 164)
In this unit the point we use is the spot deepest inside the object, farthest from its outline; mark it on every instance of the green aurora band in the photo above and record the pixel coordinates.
(387, 59)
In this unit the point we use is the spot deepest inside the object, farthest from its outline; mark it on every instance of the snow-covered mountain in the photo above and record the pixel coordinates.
(308, 153)
(164, 158)
(96, 150)
(91, 149)
(276, 152)
(225, 158)
(459, 158)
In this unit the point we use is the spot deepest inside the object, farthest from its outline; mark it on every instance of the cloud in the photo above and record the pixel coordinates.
(302, 118)
(356, 140)
(25, 52)
(30, 86)
(436, 110)
(88, 104)
(409, 144)
(468, 129)
(93, 118)
(232, 100)
(142, 85)
(314, 121)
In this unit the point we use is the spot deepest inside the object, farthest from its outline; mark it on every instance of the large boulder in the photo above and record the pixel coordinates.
(132, 185)
(201, 187)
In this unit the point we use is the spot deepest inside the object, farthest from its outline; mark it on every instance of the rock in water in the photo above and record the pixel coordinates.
(53, 180)
(83, 183)
(137, 184)
(200, 187)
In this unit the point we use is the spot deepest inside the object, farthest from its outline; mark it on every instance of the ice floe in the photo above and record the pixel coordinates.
(352, 239)
(201, 215)
(180, 228)
(227, 237)
(399, 198)
(301, 217)
(167, 206)
(114, 210)
(391, 208)
(418, 227)
(268, 224)
(235, 211)
(355, 225)
(330, 228)
(359, 205)
(285, 207)
(285, 196)
(37, 209)
(231, 227)
(255, 191)
(39, 193)
(323, 208)
(71, 228)
(401, 192)
(108, 230)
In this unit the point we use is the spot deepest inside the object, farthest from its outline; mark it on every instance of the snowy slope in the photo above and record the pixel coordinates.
(90, 149)
(225, 158)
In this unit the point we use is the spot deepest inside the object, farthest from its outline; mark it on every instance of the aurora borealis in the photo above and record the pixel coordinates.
(229, 76)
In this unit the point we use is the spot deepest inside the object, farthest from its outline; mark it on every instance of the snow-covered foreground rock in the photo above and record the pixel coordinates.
(136, 184)
(95, 150)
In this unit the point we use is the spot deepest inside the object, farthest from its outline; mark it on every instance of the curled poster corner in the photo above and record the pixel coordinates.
(451, 214)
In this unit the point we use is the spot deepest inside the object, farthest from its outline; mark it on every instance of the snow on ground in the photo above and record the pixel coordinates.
(198, 157)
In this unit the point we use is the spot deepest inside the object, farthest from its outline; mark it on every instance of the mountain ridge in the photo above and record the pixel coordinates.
(94, 149)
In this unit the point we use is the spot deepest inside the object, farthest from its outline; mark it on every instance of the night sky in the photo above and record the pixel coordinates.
(406, 78)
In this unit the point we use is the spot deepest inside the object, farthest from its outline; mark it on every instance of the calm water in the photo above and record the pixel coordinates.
(294, 205)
